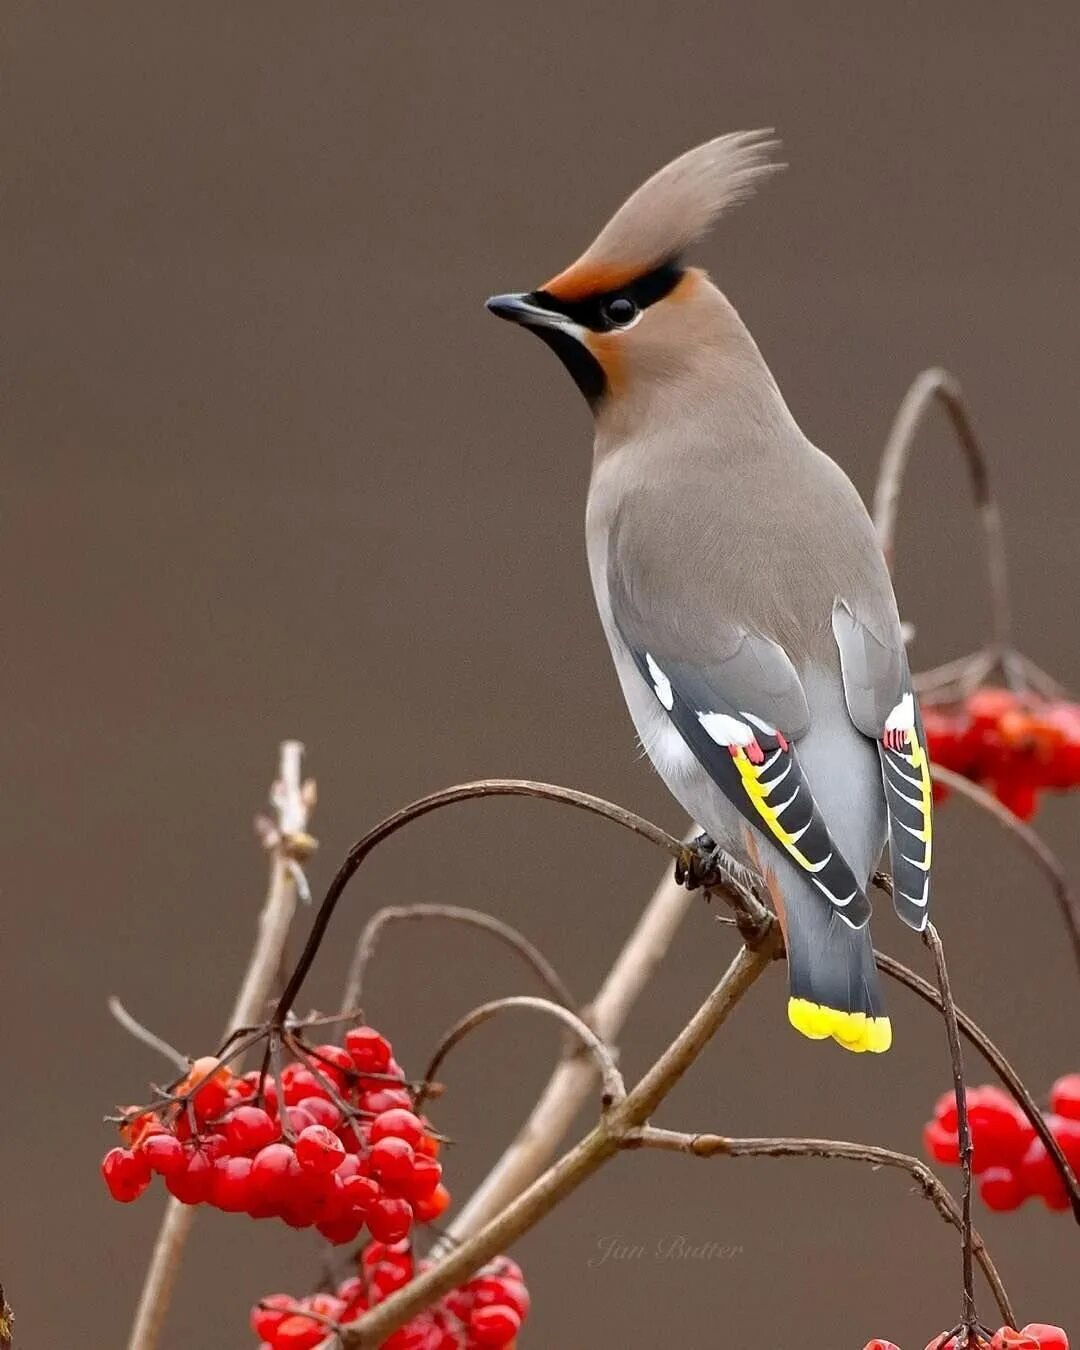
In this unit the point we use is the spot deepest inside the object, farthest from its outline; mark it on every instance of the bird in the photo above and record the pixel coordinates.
(742, 590)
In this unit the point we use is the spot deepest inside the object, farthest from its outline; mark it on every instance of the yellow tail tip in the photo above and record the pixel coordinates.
(853, 1030)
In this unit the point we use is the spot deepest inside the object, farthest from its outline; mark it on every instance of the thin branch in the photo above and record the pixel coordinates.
(755, 913)
(997, 1061)
(714, 1145)
(930, 386)
(572, 1081)
(293, 800)
(614, 1089)
(969, 1320)
(1039, 850)
(144, 1034)
(365, 947)
(602, 1143)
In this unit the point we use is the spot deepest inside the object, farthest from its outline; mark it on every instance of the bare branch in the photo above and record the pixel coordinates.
(144, 1034)
(714, 1145)
(755, 914)
(969, 1320)
(573, 1079)
(930, 386)
(614, 1089)
(1038, 849)
(365, 947)
(997, 1061)
(571, 1170)
(292, 799)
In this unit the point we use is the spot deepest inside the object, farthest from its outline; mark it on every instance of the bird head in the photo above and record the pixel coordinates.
(629, 314)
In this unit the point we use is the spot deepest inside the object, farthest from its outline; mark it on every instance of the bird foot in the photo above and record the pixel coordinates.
(705, 863)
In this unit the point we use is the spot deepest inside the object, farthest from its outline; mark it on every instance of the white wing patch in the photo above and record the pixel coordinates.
(902, 717)
(661, 683)
(725, 730)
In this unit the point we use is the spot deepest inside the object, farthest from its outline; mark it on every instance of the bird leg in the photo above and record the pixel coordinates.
(704, 863)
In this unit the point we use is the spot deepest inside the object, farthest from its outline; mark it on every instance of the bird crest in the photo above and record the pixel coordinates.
(669, 212)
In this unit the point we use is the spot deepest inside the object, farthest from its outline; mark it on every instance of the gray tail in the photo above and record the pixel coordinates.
(833, 980)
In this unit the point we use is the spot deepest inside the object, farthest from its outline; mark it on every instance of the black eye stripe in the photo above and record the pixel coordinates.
(642, 292)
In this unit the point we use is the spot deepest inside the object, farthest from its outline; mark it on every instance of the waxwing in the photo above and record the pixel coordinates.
(742, 590)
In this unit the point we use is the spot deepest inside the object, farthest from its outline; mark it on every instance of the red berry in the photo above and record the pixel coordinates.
(380, 1099)
(880, 1345)
(269, 1089)
(361, 1193)
(1018, 794)
(266, 1320)
(1001, 1189)
(429, 1146)
(298, 1119)
(165, 1154)
(298, 1333)
(322, 1111)
(319, 1149)
(369, 1052)
(940, 1143)
(126, 1174)
(1067, 1133)
(1039, 1176)
(391, 1160)
(230, 1186)
(139, 1125)
(1006, 1338)
(298, 1082)
(432, 1206)
(208, 1085)
(487, 1289)
(1065, 1096)
(495, 1325)
(334, 1063)
(389, 1219)
(270, 1172)
(248, 1129)
(1000, 1132)
(399, 1123)
(1048, 1337)
(425, 1176)
(192, 1185)
(945, 1111)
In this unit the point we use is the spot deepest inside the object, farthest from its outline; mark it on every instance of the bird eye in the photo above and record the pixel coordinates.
(620, 311)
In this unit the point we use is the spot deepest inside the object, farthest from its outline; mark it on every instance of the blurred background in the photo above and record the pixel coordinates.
(270, 470)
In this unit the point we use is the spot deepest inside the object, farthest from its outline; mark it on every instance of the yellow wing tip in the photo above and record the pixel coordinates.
(855, 1031)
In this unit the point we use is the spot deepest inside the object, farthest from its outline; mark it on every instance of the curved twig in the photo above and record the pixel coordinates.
(564, 1177)
(997, 1061)
(144, 1034)
(714, 1145)
(930, 386)
(365, 948)
(488, 787)
(535, 1143)
(969, 1319)
(614, 1088)
(1037, 847)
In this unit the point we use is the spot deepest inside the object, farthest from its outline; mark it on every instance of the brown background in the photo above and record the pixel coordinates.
(270, 470)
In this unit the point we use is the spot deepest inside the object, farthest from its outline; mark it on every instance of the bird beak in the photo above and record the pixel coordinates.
(522, 308)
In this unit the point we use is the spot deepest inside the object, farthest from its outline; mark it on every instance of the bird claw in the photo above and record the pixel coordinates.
(704, 863)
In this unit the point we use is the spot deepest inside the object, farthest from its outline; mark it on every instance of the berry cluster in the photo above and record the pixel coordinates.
(1010, 1162)
(485, 1314)
(1013, 744)
(335, 1145)
(1035, 1336)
